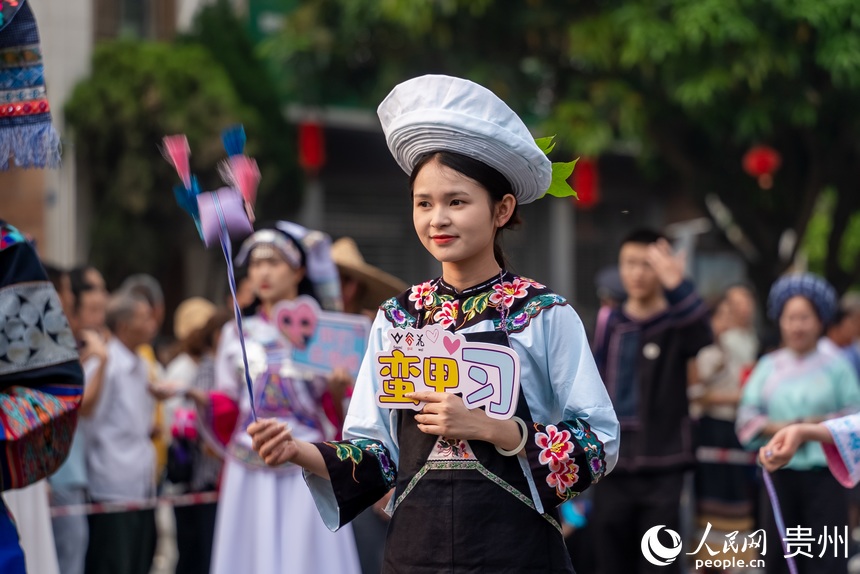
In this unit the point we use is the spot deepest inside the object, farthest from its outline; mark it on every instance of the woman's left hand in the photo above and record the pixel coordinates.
(445, 414)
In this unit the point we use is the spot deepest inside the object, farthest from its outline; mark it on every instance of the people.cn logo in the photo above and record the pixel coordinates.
(654, 551)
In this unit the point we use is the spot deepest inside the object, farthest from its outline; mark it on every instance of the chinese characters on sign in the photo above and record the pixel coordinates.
(433, 359)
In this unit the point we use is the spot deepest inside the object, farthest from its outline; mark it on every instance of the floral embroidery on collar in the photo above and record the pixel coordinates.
(423, 295)
(446, 315)
(436, 302)
(499, 293)
(521, 319)
(397, 315)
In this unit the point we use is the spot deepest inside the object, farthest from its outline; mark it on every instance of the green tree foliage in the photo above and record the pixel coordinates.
(224, 35)
(688, 85)
(139, 92)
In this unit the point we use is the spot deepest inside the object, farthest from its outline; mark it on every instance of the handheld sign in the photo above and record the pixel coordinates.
(322, 340)
(433, 359)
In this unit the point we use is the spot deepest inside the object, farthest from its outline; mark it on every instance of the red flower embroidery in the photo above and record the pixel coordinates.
(506, 293)
(422, 294)
(447, 315)
(556, 446)
(562, 476)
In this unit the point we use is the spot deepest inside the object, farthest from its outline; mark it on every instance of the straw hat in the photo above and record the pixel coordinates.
(192, 314)
(379, 284)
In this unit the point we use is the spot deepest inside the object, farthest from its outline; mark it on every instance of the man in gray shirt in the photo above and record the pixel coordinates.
(120, 456)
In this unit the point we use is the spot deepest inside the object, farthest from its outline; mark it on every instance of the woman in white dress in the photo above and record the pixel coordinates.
(267, 520)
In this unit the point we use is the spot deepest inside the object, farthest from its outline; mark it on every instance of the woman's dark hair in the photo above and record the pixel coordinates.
(55, 275)
(306, 286)
(642, 236)
(487, 177)
(79, 284)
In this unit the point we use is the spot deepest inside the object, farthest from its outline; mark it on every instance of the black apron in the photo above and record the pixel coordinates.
(460, 520)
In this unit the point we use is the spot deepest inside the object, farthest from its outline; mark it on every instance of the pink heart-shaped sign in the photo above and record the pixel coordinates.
(451, 345)
(297, 322)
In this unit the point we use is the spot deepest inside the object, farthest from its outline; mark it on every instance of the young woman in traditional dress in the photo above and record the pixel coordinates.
(266, 519)
(471, 493)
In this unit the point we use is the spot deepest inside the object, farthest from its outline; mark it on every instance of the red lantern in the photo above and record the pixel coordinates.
(761, 162)
(586, 183)
(311, 146)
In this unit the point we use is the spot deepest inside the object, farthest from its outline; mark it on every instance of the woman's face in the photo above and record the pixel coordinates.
(273, 279)
(453, 215)
(799, 325)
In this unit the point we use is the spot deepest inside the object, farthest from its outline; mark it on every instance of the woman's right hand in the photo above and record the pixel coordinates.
(273, 441)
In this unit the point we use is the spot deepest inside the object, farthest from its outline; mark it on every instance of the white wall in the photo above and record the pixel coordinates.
(66, 30)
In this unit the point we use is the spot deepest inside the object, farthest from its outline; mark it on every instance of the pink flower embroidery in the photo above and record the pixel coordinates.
(562, 476)
(422, 294)
(556, 445)
(532, 282)
(506, 293)
(447, 315)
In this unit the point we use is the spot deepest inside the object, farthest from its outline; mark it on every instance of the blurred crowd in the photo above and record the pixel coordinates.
(710, 372)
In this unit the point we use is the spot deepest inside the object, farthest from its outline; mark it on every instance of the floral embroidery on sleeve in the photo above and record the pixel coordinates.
(565, 458)
(556, 446)
(361, 472)
(354, 451)
(562, 477)
(386, 467)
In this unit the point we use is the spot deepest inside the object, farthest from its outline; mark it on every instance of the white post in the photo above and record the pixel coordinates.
(66, 33)
(562, 251)
(313, 203)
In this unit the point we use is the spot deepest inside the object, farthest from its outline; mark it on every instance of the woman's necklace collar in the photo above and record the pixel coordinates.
(482, 286)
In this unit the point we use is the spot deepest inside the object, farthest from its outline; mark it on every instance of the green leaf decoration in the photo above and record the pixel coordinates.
(345, 451)
(481, 303)
(469, 305)
(561, 172)
(546, 144)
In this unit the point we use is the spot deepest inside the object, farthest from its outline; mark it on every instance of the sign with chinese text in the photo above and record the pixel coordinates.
(433, 359)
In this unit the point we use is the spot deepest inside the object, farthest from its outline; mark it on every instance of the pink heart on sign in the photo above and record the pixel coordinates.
(451, 345)
(297, 322)
(433, 335)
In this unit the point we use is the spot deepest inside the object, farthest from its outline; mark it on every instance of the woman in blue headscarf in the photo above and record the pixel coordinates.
(802, 382)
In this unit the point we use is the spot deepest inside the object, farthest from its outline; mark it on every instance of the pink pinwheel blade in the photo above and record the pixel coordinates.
(177, 152)
(246, 176)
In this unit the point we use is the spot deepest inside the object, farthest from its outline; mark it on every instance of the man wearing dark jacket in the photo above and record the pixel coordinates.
(642, 350)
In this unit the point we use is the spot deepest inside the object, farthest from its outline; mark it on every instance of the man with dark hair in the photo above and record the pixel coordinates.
(120, 458)
(642, 350)
(841, 336)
